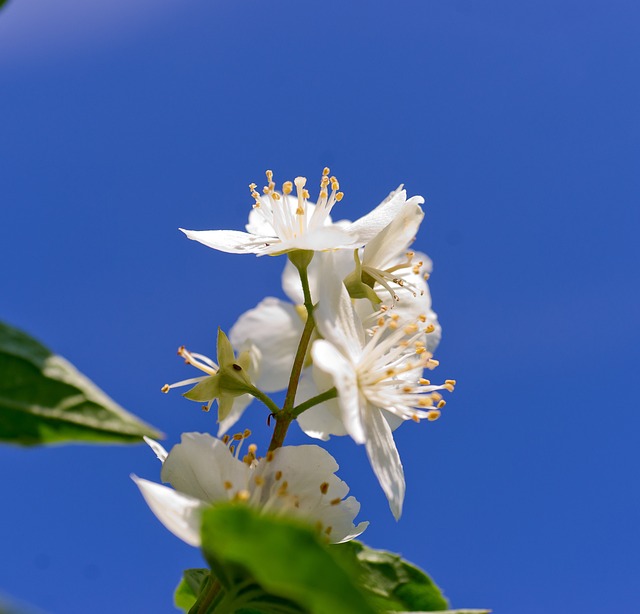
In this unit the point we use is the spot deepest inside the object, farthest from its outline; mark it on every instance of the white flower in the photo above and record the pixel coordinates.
(281, 222)
(378, 379)
(297, 481)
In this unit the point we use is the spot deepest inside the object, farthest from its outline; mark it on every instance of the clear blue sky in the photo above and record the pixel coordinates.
(517, 121)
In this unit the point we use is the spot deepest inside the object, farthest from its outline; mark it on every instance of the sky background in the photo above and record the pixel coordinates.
(517, 121)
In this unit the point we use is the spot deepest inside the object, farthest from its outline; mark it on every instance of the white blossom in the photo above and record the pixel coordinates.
(378, 377)
(281, 222)
(295, 481)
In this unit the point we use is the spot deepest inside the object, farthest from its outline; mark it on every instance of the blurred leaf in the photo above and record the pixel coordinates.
(449, 612)
(394, 583)
(44, 399)
(189, 588)
(2, 3)
(286, 558)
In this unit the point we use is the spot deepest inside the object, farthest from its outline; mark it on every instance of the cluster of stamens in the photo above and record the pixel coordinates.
(292, 216)
(199, 361)
(267, 489)
(388, 277)
(387, 373)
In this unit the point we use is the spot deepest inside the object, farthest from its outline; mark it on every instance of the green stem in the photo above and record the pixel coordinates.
(285, 416)
(267, 400)
(332, 393)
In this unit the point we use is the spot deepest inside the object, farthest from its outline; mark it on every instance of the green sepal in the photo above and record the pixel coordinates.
(359, 284)
(301, 258)
(226, 355)
(205, 390)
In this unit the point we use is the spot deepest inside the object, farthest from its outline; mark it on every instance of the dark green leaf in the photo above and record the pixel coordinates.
(286, 558)
(394, 583)
(189, 588)
(2, 3)
(44, 399)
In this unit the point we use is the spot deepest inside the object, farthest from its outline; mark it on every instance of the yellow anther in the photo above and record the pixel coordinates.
(424, 402)
(228, 485)
(429, 328)
(407, 389)
(441, 404)
(259, 480)
(324, 182)
(328, 530)
(450, 381)
(433, 363)
(425, 382)
(269, 456)
(205, 408)
(287, 187)
(278, 475)
(426, 276)
(323, 194)
(433, 415)
(253, 186)
(305, 193)
(335, 501)
(449, 387)
(416, 269)
(381, 321)
(165, 388)
(269, 175)
(275, 196)
(410, 255)
(243, 495)
(225, 439)
(435, 396)
(410, 329)
(390, 372)
(324, 487)
(299, 211)
(420, 350)
(422, 317)
(415, 418)
(253, 448)
(238, 437)
(247, 433)
(265, 190)
(339, 196)
(326, 171)
(283, 488)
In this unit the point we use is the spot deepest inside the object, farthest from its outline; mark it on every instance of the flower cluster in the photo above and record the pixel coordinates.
(350, 347)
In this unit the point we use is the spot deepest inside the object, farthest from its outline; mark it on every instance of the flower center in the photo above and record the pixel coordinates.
(293, 216)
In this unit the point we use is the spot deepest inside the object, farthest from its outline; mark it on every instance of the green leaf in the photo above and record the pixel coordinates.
(464, 611)
(394, 583)
(44, 399)
(2, 3)
(189, 588)
(286, 557)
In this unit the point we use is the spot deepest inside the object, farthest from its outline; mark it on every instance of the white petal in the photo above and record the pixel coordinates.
(230, 241)
(259, 225)
(324, 238)
(368, 226)
(328, 359)
(200, 465)
(384, 458)
(274, 327)
(176, 511)
(342, 263)
(324, 419)
(159, 451)
(335, 316)
(394, 239)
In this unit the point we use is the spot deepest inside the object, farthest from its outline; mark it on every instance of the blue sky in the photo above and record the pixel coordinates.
(518, 123)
